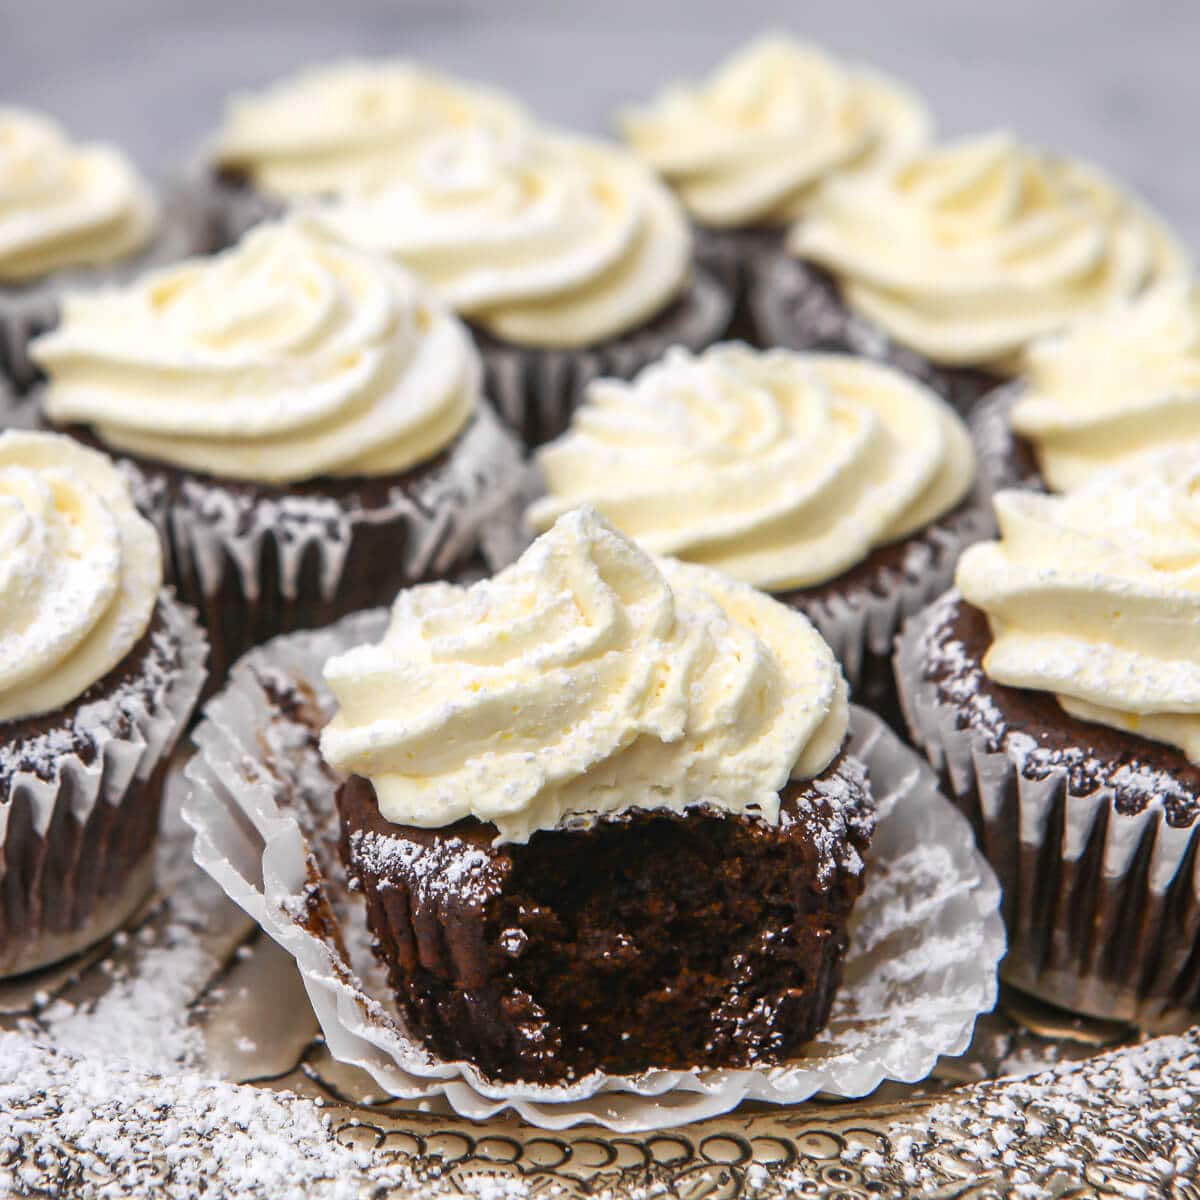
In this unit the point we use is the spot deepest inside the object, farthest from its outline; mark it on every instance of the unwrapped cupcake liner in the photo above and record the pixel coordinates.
(1102, 907)
(921, 966)
(255, 566)
(78, 824)
(28, 310)
(536, 389)
(795, 305)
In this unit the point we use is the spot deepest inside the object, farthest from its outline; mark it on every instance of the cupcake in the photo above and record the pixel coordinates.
(842, 486)
(567, 257)
(951, 262)
(1058, 692)
(99, 670)
(747, 149)
(72, 215)
(1112, 387)
(599, 812)
(303, 421)
(323, 129)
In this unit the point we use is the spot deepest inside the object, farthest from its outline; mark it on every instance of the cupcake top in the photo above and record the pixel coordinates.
(79, 576)
(965, 252)
(586, 678)
(285, 358)
(65, 204)
(1095, 597)
(749, 145)
(541, 240)
(1113, 386)
(778, 468)
(327, 129)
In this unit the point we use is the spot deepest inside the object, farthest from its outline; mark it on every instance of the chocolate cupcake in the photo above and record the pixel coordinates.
(598, 810)
(99, 670)
(1058, 693)
(72, 216)
(325, 129)
(841, 486)
(950, 262)
(747, 149)
(303, 422)
(568, 259)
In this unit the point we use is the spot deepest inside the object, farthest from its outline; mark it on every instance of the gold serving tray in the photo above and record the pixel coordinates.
(1104, 1120)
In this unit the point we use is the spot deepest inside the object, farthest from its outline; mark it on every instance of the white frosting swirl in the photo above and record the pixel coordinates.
(1095, 596)
(778, 468)
(65, 205)
(967, 251)
(80, 571)
(587, 678)
(329, 129)
(285, 358)
(1120, 384)
(750, 145)
(542, 240)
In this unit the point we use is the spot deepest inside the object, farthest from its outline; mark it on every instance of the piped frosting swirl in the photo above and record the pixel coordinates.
(539, 239)
(284, 358)
(587, 678)
(781, 469)
(1095, 597)
(751, 144)
(329, 129)
(80, 572)
(64, 204)
(1123, 383)
(966, 252)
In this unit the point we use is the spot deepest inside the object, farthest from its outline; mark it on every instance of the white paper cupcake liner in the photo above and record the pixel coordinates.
(226, 210)
(925, 937)
(1102, 908)
(31, 309)
(255, 566)
(53, 788)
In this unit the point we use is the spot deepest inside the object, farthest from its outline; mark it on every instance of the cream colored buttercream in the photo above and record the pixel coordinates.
(778, 468)
(750, 145)
(1095, 596)
(1123, 383)
(80, 571)
(63, 204)
(284, 358)
(587, 678)
(333, 129)
(542, 240)
(966, 252)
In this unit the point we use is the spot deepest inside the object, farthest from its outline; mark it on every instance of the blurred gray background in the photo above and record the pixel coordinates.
(1117, 81)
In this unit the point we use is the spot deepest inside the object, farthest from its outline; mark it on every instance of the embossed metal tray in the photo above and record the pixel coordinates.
(1087, 1108)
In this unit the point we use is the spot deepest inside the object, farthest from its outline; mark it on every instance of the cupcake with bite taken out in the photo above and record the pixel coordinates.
(100, 667)
(951, 262)
(843, 487)
(303, 421)
(748, 149)
(1058, 693)
(600, 813)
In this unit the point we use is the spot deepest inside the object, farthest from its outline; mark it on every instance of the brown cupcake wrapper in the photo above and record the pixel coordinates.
(536, 390)
(739, 258)
(796, 305)
(76, 848)
(30, 310)
(256, 566)
(1102, 907)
